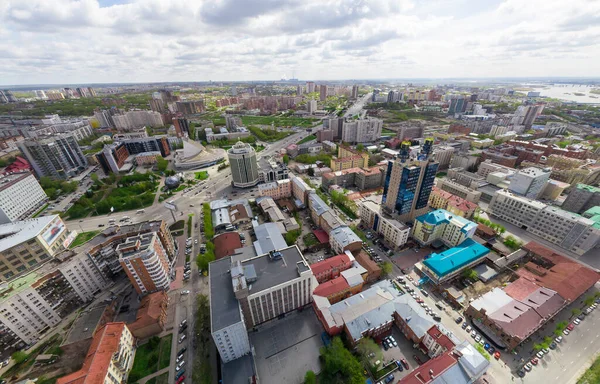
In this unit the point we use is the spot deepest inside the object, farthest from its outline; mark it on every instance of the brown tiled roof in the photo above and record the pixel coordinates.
(226, 244)
(485, 229)
(333, 262)
(366, 262)
(331, 287)
(423, 373)
(150, 310)
(561, 274)
(440, 338)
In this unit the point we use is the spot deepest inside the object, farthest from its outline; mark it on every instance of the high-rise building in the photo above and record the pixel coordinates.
(362, 131)
(83, 92)
(354, 92)
(310, 86)
(145, 260)
(40, 94)
(581, 198)
(182, 126)
(457, 105)
(157, 105)
(395, 234)
(526, 114)
(105, 118)
(529, 182)
(137, 119)
(408, 182)
(311, 106)
(323, 92)
(57, 156)
(6, 96)
(190, 107)
(20, 196)
(3, 98)
(244, 166)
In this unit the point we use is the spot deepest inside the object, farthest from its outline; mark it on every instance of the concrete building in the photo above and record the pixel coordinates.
(359, 178)
(487, 167)
(464, 160)
(443, 267)
(395, 234)
(300, 190)
(443, 155)
(349, 158)
(20, 196)
(109, 359)
(25, 244)
(311, 106)
(331, 268)
(529, 182)
(131, 120)
(553, 190)
(268, 238)
(565, 229)
(443, 226)
(365, 130)
(408, 182)
(146, 262)
(581, 198)
(276, 189)
(466, 178)
(459, 190)
(244, 167)
(344, 239)
(58, 156)
(456, 205)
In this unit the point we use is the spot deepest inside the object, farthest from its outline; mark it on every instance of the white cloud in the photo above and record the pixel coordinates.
(64, 41)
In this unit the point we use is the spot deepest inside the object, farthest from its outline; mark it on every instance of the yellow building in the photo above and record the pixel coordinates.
(349, 158)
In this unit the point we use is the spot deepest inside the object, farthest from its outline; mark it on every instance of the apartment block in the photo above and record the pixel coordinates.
(487, 167)
(443, 226)
(581, 198)
(359, 178)
(395, 234)
(361, 131)
(137, 119)
(276, 189)
(57, 156)
(109, 359)
(146, 262)
(301, 190)
(440, 199)
(349, 158)
(466, 178)
(20, 197)
(568, 230)
(529, 182)
(343, 238)
(459, 190)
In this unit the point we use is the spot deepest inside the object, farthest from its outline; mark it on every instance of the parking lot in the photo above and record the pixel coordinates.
(404, 350)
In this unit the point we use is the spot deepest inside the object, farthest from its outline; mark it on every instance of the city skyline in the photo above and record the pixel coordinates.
(101, 41)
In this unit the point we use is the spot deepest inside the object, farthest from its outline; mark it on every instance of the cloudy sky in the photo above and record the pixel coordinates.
(95, 41)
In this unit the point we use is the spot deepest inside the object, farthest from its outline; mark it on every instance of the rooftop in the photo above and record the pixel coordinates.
(269, 238)
(317, 204)
(224, 307)
(12, 234)
(588, 188)
(226, 244)
(270, 273)
(338, 261)
(331, 287)
(11, 179)
(455, 258)
(441, 216)
(150, 310)
(344, 236)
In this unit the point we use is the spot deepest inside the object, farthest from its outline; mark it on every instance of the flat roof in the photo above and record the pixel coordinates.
(224, 307)
(455, 258)
(271, 273)
(269, 238)
(13, 234)
(344, 235)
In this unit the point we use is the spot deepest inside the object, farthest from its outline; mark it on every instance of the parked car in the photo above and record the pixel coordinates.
(181, 338)
(390, 378)
(576, 321)
(417, 359)
(464, 325)
(534, 361)
(182, 351)
(404, 363)
(180, 365)
(468, 329)
(528, 367)
(559, 339)
(399, 365)
(553, 345)
(497, 355)
(566, 332)
(570, 327)
(540, 355)
(458, 320)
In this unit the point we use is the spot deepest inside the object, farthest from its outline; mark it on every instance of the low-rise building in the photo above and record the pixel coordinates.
(109, 359)
(359, 178)
(344, 239)
(349, 158)
(151, 315)
(466, 178)
(301, 190)
(443, 226)
(456, 205)
(226, 244)
(350, 282)
(373, 269)
(20, 197)
(395, 234)
(331, 268)
(459, 190)
(276, 189)
(317, 207)
(268, 238)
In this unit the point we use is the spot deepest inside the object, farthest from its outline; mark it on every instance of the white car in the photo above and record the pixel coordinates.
(473, 334)
(576, 321)
(186, 292)
(468, 329)
(528, 367)
(540, 354)
(559, 339)
(478, 338)
(181, 365)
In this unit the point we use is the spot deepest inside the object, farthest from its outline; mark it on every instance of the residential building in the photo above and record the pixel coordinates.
(274, 214)
(568, 230)
(147, 144)
(395, 234)
(442, 225)
(553, 190)
(109, 359)
(25, 244)
(443, 155)
(464, 160)
(456, 205)
(317, 207)
(322, 92)
(330, 221)
(372, 268)
(20, 196)
(581, 198)
(146, 262)
(310, 86)
(498, 157)
(244, 166)
(349, 158)
(311, 106)
(131, 120)
(40, 299)
(487, 167)
(354, 94)
(151, 315)
(331, 268)
(182, 126)
(190, 107)
(300, 190)
(279, 189)
(408, 183)
(359, 178)
(344, 239)
(466, 178)
(530, 182)
(58, 156)
(459, 190)
(449, 264)
(361, 131)
(113, 158)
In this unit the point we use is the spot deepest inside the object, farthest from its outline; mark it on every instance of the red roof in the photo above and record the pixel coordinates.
(338, 261)
(440, 338)
(20, 164)
(437, 365)
(226, 244)
(331, 287)
(520, 289)
(150, 310)
(559, 273)
(96, 363)
(321, 235)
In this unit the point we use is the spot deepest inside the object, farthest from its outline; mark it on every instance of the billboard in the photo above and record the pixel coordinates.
(56, 228)
(69, 239)
(171, 205)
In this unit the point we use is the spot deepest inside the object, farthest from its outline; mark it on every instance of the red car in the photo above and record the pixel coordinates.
(404, 363)
(497, 355)
(417, 359)
(571, 326)
(180, 380)
(534, 361)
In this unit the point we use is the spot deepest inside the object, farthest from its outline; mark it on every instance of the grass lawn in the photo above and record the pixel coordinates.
(161, 379)
(310, 239)
(387, 132)
(202, 175)
(151, 357)
(307, 139)
(41, 210)
(83, 238)
(592, 375)
(269, 135)
(165, 352)
(279, 121)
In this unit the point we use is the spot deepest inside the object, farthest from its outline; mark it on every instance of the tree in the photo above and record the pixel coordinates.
(339, 365)
(366, 346)
(589, 300)
(286, 160)
(19, 357)
(575, 312)
(311, 172)
(360, 147)
(310, 378)
(386, 268)
(161, 163)
(470, 274)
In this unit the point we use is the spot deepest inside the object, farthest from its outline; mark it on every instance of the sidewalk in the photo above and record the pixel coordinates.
(158, 373)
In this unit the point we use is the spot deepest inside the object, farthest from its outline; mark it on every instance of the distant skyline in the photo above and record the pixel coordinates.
(141, 41)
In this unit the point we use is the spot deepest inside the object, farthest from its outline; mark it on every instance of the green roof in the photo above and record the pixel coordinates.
(594, 215)
(7, 290)
(588, 188)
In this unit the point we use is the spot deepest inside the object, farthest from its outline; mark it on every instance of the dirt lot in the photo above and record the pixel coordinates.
(479, 288)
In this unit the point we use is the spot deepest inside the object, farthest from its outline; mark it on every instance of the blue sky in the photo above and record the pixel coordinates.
(88, 41)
